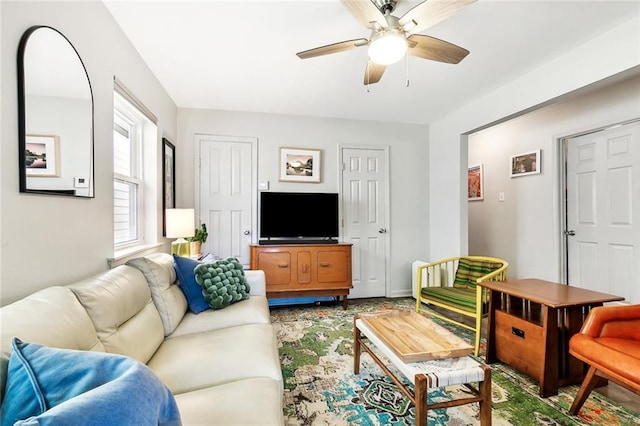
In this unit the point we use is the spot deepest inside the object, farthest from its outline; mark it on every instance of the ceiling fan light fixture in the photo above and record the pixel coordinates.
(387, 47)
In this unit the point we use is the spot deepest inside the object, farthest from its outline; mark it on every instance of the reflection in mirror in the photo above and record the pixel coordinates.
(55, 116)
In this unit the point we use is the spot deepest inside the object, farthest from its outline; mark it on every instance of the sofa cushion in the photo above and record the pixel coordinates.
(192, 291)
(217, 357)
(222, 282)
(254, 310)
(469, 270)
(52, 317)
(120, 306)
(226, 405)
(160, 274)
(71, 387)
(462, 297)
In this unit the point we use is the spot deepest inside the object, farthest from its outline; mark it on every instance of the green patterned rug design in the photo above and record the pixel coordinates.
(315, 345)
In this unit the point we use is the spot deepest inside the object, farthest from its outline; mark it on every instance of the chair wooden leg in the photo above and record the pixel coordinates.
(588, 384)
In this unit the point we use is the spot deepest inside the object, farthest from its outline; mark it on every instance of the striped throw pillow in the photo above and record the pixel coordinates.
(469, 270)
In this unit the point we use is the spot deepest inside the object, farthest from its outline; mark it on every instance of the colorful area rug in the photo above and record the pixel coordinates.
(316, 342)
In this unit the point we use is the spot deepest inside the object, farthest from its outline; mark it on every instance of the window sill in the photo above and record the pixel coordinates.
(121, 257)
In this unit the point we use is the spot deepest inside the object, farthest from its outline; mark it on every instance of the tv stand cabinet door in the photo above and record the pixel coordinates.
(277, 268)
(334, 267)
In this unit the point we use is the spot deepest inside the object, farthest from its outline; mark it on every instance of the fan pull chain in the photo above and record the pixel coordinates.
(407, 61)
(368, 78)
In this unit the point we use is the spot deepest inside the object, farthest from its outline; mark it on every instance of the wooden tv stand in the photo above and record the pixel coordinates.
(298, 270)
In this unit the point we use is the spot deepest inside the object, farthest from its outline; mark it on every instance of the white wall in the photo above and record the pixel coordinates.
(525, 228)
(611, 53)
(50, 240)
(408, 230)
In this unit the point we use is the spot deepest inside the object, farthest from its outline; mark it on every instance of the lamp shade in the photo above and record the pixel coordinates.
(180, 223)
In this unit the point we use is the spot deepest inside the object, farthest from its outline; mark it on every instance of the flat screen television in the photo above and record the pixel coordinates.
(298, 217)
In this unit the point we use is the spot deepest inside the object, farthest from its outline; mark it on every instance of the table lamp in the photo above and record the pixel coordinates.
(180, 224)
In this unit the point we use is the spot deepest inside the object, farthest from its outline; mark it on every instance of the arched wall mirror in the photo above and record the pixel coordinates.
(55, 107)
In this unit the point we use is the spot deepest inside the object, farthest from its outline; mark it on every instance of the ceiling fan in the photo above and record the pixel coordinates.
(392, 37)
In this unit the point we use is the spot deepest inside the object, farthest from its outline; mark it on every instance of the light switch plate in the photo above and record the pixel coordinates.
(263, 186)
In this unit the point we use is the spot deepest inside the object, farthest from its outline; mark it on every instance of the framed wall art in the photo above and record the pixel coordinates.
(168, 180)
(475, 189)
(299, 165)
(524, 164)
(42, 156)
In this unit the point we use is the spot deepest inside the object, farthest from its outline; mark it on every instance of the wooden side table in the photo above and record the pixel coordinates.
(529, 326)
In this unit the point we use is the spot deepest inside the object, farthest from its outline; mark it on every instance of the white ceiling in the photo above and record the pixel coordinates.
(240, 55)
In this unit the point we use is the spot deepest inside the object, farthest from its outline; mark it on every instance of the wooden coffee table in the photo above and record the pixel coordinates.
(425, 353)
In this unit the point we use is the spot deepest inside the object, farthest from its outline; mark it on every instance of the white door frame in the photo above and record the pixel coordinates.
(562, 148)
(197, 138)
(387, 212)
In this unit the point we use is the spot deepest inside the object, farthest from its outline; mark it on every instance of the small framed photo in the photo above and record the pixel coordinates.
(299, 165)
(42, 156)
(524, 164)
(168, 180)
(475, 189)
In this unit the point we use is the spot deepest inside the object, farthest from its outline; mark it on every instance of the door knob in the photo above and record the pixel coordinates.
(571, 233)
(382, 231)
(246, 232)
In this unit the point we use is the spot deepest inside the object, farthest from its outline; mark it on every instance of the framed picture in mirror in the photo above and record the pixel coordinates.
(42, 156)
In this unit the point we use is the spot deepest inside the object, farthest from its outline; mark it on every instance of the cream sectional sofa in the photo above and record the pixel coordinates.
(222, 366)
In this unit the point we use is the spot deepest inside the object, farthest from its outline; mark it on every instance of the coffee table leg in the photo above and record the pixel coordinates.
(485, 394)
(356, 347)
(420, 392)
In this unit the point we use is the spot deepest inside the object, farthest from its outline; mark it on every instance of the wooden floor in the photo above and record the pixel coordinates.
(621, 395)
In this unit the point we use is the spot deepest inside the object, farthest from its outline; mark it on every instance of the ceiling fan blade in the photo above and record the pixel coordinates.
(366, 12)
(435, 49)
(373, 72)
(429, 13)
(333, 48)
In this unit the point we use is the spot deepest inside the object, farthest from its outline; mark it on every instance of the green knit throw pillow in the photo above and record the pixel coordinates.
(223, 282)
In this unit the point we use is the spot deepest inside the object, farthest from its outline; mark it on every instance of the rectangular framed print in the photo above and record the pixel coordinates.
(475, 190)
(299, 165)
(524, 164)
(168, 180)
(42, 156)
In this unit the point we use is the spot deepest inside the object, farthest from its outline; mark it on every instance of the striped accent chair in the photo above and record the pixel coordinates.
(452, 285)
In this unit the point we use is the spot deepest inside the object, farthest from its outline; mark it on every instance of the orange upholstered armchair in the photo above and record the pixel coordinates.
(609, 342)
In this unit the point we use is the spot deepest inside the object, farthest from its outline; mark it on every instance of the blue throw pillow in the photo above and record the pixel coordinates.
(192, 291)
(48, 386)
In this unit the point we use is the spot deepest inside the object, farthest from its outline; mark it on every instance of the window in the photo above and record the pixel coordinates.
(134, 135)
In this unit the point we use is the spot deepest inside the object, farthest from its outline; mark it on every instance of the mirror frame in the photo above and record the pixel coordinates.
(22, 119)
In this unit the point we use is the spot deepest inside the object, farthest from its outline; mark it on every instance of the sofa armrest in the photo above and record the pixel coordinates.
(257, 282)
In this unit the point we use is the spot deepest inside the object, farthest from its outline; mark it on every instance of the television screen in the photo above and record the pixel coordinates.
(298, 215)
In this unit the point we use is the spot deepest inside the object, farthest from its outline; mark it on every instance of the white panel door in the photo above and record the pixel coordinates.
(603, 211)
(226, 196)
(364, 207)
